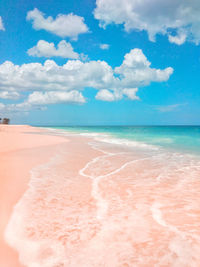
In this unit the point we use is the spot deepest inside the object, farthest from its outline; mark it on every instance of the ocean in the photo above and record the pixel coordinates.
(176, 138)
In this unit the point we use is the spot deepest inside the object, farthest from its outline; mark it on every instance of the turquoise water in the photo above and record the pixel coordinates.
(181, 138)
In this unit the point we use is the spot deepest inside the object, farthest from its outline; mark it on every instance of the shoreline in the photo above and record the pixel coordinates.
(86, 200)
(19, 147)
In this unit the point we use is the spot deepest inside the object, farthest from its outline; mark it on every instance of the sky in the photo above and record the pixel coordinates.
(103, 62)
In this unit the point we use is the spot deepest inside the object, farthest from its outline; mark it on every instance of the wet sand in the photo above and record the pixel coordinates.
(20, 151)
(93, 204)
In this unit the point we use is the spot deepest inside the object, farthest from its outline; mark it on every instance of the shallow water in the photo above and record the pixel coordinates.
(179, 138)
(108, 203)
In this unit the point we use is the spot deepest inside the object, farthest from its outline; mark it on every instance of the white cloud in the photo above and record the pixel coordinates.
(2, 106)
(104, 46)
(9, 95)
(106, 95)
(131, 93)
(155, 17)
(71, 76)
(69, 25)
(48, 78)
(168, 108)
(38, 100)
(1, 25)
(54, 97)
(178, 39)
(136, 71)
(45, 49)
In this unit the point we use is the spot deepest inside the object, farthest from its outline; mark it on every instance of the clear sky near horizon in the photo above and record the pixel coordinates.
(107, 62)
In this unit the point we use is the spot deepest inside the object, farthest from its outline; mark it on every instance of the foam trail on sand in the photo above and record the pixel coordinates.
(102, 204)
(20, 229)
(97, 204)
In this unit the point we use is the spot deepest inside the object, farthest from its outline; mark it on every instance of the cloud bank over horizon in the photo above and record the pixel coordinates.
(64, 83)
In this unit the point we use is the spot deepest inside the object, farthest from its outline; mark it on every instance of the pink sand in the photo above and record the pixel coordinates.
(95, 205)
(19, 152)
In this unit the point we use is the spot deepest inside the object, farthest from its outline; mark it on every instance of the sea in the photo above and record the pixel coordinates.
(184, 139)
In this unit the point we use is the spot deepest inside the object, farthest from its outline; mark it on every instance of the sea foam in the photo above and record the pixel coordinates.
(119, 209)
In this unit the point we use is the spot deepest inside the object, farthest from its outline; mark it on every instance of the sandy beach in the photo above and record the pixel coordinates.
(20, 151)
(100, 133)
(72, 200)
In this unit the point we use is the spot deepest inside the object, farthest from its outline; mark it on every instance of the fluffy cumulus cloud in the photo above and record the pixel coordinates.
(55, 97)
(38, 100)
(45, 49)
(136, 71)
(179, 20)
(63, 25)
(104, 46)
(49, 76)
(107, 95)
(9, 95)
(131, 93)
(1, 25)
(59, 84)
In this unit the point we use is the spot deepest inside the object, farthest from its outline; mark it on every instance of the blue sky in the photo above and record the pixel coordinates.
(158, 83)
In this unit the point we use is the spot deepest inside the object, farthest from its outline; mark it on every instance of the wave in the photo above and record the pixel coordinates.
(110, 209)
(126, 142)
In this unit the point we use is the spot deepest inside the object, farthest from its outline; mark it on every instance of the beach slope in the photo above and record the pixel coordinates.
(21, 149)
